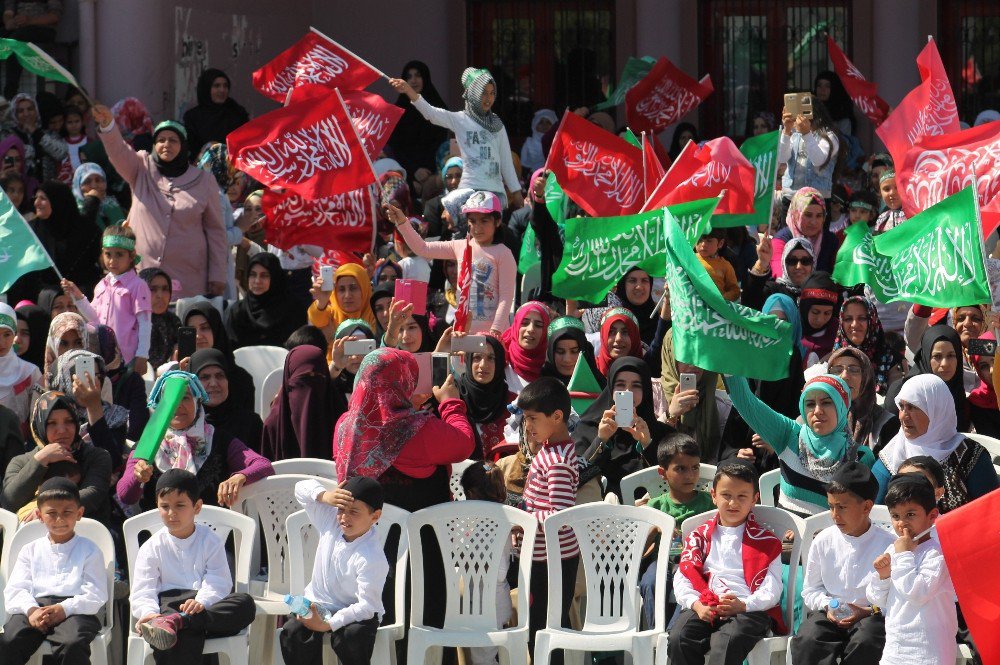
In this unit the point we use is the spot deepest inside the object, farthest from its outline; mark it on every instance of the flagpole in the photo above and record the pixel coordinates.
(62, 70)
(356, 135)
(370, 65)
(667, 174)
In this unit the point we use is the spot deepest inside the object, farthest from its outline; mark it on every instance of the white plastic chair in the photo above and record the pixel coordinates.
(260, 361)
(302, 554)
(991, 445)
(612, 539)
(531, 280)
(768, 481)
(8, 525)
(91, 530)
(268, 390)
(305, 466)
(472, 536)
(654, 485)
(455, 480)
(222, 522)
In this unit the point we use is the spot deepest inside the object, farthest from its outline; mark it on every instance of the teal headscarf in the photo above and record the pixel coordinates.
(454, 161)
(821, 455)
(791, 311)
(194, 384)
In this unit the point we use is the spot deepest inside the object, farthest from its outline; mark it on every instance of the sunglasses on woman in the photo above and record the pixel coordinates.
(804, 261)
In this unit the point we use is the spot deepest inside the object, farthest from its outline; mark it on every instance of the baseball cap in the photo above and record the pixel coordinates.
(487, 202)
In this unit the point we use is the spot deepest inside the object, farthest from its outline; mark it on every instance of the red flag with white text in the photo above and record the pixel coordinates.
(928, 110)
(863, 93)
(701, 172)
(342, 222)
(663, 96)
(310, 147)
(598, 170)
(464, 289)
(372, 116)
(652, 170)
(313, 59)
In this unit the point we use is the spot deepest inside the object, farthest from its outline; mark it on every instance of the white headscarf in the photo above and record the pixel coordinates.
(13, 370)
(532, 157)
(930, 394)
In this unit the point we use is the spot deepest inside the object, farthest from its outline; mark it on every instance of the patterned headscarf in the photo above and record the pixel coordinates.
(215, 160)
(526, 364)
(132, 118)
(860, 419)
(83, 172)
(48, 402)
(802, 199)
(873, 345)
(61, 325)
(474, 82)
(823, 454)
(604, 358)
(115, 416)
(184, 448)
(380, 418)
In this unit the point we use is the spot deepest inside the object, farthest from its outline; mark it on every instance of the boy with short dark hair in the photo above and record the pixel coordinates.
(719, 269)
(729, 579)
(57, 587)
(838, 569)
(913, 587)
(549, 488)
(181, 583)
(348, 574)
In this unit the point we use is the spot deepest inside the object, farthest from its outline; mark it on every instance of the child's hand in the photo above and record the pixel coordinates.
(36, 619)
(704, 612)
(905, 543)
(191, 606)
(787, 121)
(314, 623)
(396, 214)
(730, 605)
(765, 250)
(148, 617)
(607, 427)
(71, 289)
(338, 498)
(883, 565)
(53, 615)
(803, 125)
(403, 88)
(859, 613)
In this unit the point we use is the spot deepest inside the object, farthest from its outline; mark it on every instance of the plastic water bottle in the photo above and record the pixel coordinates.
(840, 611)
(300, 606)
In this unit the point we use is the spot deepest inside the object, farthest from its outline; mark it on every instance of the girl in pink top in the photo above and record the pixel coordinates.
(122, 299)
(494, 271)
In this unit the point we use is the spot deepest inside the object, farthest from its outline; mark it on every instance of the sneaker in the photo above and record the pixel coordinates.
(161, 632)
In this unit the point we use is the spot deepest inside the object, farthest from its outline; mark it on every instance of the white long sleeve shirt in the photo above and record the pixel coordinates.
(347, 577)
(74, 568)
(196, 563)
(724, 567)
(918, 601)
(839, 566)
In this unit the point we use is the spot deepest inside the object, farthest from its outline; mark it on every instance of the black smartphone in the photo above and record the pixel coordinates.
(439, 368)
(982, 347)
(185, 342)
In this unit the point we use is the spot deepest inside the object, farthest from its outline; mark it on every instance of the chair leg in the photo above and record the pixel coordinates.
(262, 637)
(543, 650)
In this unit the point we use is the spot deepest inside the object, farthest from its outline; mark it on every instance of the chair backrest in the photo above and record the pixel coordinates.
(455, 480)
(991, 445)
(612, 540)
(472, 536)
(306, 466)
(268, 390)
(813, 524)
(649, 481)
(90, 529)
(220, 520)
(260, 361)
(778, 521)
(270, 501)
(767, 482)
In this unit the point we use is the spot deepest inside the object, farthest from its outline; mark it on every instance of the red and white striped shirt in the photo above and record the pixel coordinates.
(551, 487)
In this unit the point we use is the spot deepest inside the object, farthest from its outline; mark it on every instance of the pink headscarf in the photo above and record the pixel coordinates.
(984, 395)
(526, 364)
(804, 198)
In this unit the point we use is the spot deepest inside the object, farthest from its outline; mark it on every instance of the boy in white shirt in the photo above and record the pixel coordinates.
(181, 583)
(348, 574)
(57, 587)
(913, 586)
(838, 567)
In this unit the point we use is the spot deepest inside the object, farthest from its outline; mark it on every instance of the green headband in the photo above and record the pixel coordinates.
(619, 311)
(121, 242)
(352, 325)
(887, 175)
(7, 321)
(173, 126)
(863, 205)
(470, 75)
(564, 322)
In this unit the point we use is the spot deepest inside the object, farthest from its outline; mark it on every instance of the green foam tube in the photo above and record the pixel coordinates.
(174, 389)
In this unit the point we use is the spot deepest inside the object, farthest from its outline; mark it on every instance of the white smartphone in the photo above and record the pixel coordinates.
(624, 408)
(689, 382)
(85, 365)
(358, 347)
(326, 274)
(468, 344)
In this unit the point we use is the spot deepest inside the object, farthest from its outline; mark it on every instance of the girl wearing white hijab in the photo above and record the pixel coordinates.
(17, 376)
(929, 427)
(532, 155)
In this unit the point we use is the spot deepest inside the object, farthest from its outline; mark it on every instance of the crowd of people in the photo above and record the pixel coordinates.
(159, 240)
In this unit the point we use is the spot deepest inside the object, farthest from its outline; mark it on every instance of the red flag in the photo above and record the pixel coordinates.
(310, 147)
(464, 287)
(663, 96)
(970, 541)
(940, 166)
(313, 59)
(372, 116)
(864, 93)
(701, 172)
(652, 169)
(928, 110)
(342, 222)
(598, 170)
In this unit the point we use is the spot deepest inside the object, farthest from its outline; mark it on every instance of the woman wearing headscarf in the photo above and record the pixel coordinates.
(350, 299)
(215, 160)
(807, 219)
(683, 133)
(213, 370)
(54, 301)
(414, 141)
(59, 450)
(635, 291)
(163, 338)
(809, 452)
(483, 388)
(940, 354)
(798, 259)
(969, 321)
(221, 462)
(783, 307)
(869, 423)
(176, 212)
(762, 122)
(216, 114)
(525, 344)
(67, 331)
(611, 450)
(928, 427)
(532, 155)
(344, 368)
(567, 341)
(267, 314)
(210, 334)
(693, 412)
(128, 389)
(17, 376)
(90, 189)
(44, 150)
(861, 329)
(31, 336)
(74, 246)
(984, 407)
(12, 149)
(410, 332)
(819, 307)
(451, 175)
(89, 406)
(829, 89)
(619, 337)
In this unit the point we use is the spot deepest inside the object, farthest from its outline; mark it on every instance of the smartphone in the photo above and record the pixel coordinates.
(440, 368)
(326, 274)
(624, 409)
(424, 374)
(799, 103)
(469, 344)
(689, 382)
(185, 342)
(358, 347)
(414, 292)
(85, 365)
(982, 347)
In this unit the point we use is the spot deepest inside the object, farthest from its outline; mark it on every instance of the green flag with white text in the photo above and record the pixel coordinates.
(762, 152)
(20, 250)
(557, 203)
(713, 333)
(36, 61)
(934, 258)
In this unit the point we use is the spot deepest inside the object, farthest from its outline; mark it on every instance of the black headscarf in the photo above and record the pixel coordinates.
(383, 290)
(209, 121)
(922, 365)
(72, 244)
(643, 313)
(415, 141)
(267, 319)
(586, 348)
(241, 388)
(179, 165)
(244, 424)
(485, 403)
(820, 289)
(839, 104)
(38, 328)
(163, 338)
(675, 141)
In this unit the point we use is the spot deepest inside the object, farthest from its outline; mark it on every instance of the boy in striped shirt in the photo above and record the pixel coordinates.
(549, 488)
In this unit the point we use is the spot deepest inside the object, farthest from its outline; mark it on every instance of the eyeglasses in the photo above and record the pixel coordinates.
(803, 261)
(853, 370)
(848, 320)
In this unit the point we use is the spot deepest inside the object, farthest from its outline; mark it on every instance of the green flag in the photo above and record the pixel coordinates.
(36, 61)
(632, 138)
(762, 152)
(713, 333)
(583, 386)
(695, 217)
(934, 258)
(634, 71)
(558, 203)
(20, 250)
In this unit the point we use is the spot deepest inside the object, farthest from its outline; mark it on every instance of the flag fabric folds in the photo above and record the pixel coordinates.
(863, 93)
(20, 250)
(345, 222)
(663, 96)
(702, 172)
(762, 152)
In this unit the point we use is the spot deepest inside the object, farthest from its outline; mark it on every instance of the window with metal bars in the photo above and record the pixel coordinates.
(970, 49)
